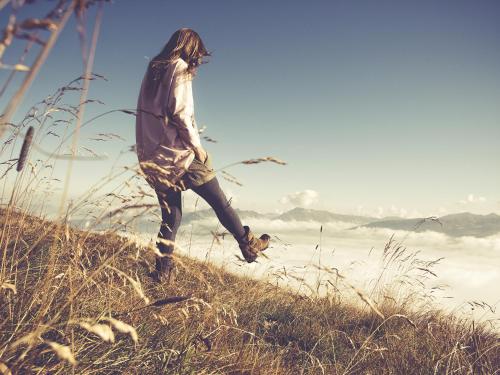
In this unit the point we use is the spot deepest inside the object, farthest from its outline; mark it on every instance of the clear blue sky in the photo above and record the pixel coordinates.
(385, 105)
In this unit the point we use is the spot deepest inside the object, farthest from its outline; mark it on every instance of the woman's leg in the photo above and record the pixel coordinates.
(215, 197)
(171, 215)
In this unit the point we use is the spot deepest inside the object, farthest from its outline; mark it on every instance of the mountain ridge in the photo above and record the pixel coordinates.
(455, 225)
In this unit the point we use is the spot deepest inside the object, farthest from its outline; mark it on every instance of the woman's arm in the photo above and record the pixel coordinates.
(181, 106)
(200, 153)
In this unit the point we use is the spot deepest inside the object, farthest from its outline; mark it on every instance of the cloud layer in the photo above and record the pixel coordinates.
(304, 198)
(471, 198)
(468, 270)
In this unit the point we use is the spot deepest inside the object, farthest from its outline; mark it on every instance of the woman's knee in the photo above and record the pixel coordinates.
(213, 194)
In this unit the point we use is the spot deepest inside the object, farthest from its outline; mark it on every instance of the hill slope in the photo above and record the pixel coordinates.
(68, 285)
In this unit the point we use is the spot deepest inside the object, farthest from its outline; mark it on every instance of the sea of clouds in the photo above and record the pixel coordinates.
(468, 270)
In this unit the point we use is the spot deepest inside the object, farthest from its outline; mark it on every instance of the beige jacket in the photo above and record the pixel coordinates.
(166, 130)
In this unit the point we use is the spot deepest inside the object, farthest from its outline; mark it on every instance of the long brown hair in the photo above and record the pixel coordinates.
(186, 44)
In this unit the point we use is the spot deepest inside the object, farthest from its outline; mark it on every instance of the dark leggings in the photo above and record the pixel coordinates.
(171, 211)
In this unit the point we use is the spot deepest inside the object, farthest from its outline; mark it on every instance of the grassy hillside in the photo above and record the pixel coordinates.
(79, 302)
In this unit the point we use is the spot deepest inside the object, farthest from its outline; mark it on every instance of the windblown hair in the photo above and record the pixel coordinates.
(186, 44)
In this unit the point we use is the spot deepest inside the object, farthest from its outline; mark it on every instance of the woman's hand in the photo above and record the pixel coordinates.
(201, 154)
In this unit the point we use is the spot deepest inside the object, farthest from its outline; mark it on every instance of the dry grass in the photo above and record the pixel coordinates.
(99, 313)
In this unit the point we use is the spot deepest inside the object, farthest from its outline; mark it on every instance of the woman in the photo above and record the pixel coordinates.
(170, 151)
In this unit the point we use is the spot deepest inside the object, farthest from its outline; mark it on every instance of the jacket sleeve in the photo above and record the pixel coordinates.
(181, 108)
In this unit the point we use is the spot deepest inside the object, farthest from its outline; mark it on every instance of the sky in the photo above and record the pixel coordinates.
(378, 108)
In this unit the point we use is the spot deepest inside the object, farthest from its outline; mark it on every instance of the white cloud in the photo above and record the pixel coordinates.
(418, 214)
(471, 198)
(381, 212)
(442, 210)
(303, 198)
(360, 209)
(398, 211)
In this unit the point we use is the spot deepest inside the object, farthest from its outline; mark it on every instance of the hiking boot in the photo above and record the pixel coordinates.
(165, 269)
(251, 246)
(165, 265)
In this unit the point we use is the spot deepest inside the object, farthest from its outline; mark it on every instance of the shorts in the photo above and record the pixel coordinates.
(198, 172)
